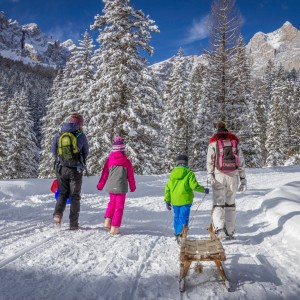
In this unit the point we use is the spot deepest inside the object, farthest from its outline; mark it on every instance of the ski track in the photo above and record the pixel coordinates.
(9, 259)
(142, 268)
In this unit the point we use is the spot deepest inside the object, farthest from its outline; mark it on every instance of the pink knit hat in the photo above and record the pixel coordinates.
(76, 119)
(118, 144)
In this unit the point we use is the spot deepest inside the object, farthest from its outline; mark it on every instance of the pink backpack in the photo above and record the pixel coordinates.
(227, 159)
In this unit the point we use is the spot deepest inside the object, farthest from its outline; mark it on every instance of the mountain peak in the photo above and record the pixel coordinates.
(30, 45)
(280, 46)
(287, 23)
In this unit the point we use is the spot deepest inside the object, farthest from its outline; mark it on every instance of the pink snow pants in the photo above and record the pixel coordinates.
(115, 209)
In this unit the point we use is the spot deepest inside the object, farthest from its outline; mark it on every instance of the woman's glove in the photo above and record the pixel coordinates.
(243, 185)
(211, 178)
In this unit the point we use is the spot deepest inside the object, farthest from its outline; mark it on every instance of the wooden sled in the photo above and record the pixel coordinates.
(201, 250)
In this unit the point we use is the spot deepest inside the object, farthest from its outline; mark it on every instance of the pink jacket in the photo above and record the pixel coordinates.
(117, 158)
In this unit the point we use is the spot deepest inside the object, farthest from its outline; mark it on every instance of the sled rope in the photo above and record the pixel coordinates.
(201, 201)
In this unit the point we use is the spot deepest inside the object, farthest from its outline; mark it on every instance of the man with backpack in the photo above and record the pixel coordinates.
(226, 174)
(70, 149)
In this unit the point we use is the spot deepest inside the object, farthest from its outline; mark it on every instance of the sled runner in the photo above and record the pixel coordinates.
(201, 250)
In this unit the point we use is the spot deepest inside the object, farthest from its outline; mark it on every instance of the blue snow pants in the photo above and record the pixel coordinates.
(181, 217)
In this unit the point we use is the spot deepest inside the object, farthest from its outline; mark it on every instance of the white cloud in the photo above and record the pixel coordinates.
(198, 31)
(65, 32)
(263, 3)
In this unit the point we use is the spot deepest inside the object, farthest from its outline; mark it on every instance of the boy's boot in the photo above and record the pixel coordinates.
(107, 223)
(114, 230)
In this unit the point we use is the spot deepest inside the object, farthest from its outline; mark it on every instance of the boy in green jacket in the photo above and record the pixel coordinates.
(179, 193)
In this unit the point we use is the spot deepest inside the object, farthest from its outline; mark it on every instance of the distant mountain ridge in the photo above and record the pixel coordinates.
(281, 46)
(28, 44)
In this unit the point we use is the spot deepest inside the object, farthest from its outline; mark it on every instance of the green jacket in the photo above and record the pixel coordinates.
(180, 186)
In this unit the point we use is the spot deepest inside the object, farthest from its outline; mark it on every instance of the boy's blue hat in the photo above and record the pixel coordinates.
(182, 160)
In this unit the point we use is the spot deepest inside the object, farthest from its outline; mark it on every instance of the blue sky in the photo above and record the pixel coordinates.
(182, 23)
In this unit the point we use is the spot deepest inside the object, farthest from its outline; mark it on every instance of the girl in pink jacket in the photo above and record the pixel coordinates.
(116, 174)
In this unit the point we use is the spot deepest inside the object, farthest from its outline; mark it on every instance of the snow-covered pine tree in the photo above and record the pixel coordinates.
(78, 76)
(258, 125)
(241, 93)
(276, 130)
(268, 79)
(3, 94)
(51, 125)
(124, 107)
(225, 25)
(296, 121)
(209, 109)
(262, 91)
(290, 111)
(21, 152)
(178, 117)
(4, 134)
(201, 122)
(241, 108)
(86, 73)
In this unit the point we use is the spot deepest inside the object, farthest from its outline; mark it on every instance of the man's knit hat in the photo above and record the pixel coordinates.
(118, 144)
(76, 119)
(182, 160)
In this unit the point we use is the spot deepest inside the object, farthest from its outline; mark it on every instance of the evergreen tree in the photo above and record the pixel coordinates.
(4, 136)
(21, 152)
(268, 80)
(202, 123)
(241, 93)
(223, 39)
(2, 94)
(51, 125)
(126, 104)
(276, 131)
(290, 105)
(258, 125)
(179, 112)
(78, 76)
(296, 123)
(242, 119)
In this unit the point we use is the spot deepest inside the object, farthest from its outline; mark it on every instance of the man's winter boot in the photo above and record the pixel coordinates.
(57, 220)
(74, 227)
(220, 233)
(114, 230)
(107, 223)
(229, 236)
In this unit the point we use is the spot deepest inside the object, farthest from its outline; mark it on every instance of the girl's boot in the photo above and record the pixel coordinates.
(114, 230)
(107, 222)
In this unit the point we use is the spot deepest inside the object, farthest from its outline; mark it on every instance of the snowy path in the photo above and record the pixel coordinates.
(38, 261)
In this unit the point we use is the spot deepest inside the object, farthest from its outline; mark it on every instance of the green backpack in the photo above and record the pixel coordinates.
(67, 148)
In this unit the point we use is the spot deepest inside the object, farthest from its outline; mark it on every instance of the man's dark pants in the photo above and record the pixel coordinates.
(69, 184)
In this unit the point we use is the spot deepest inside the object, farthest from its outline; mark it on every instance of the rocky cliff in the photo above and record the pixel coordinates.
(281, 46)
(28, 44)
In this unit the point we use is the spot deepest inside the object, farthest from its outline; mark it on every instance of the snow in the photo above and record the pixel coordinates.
(13, 55)
(38, 261)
